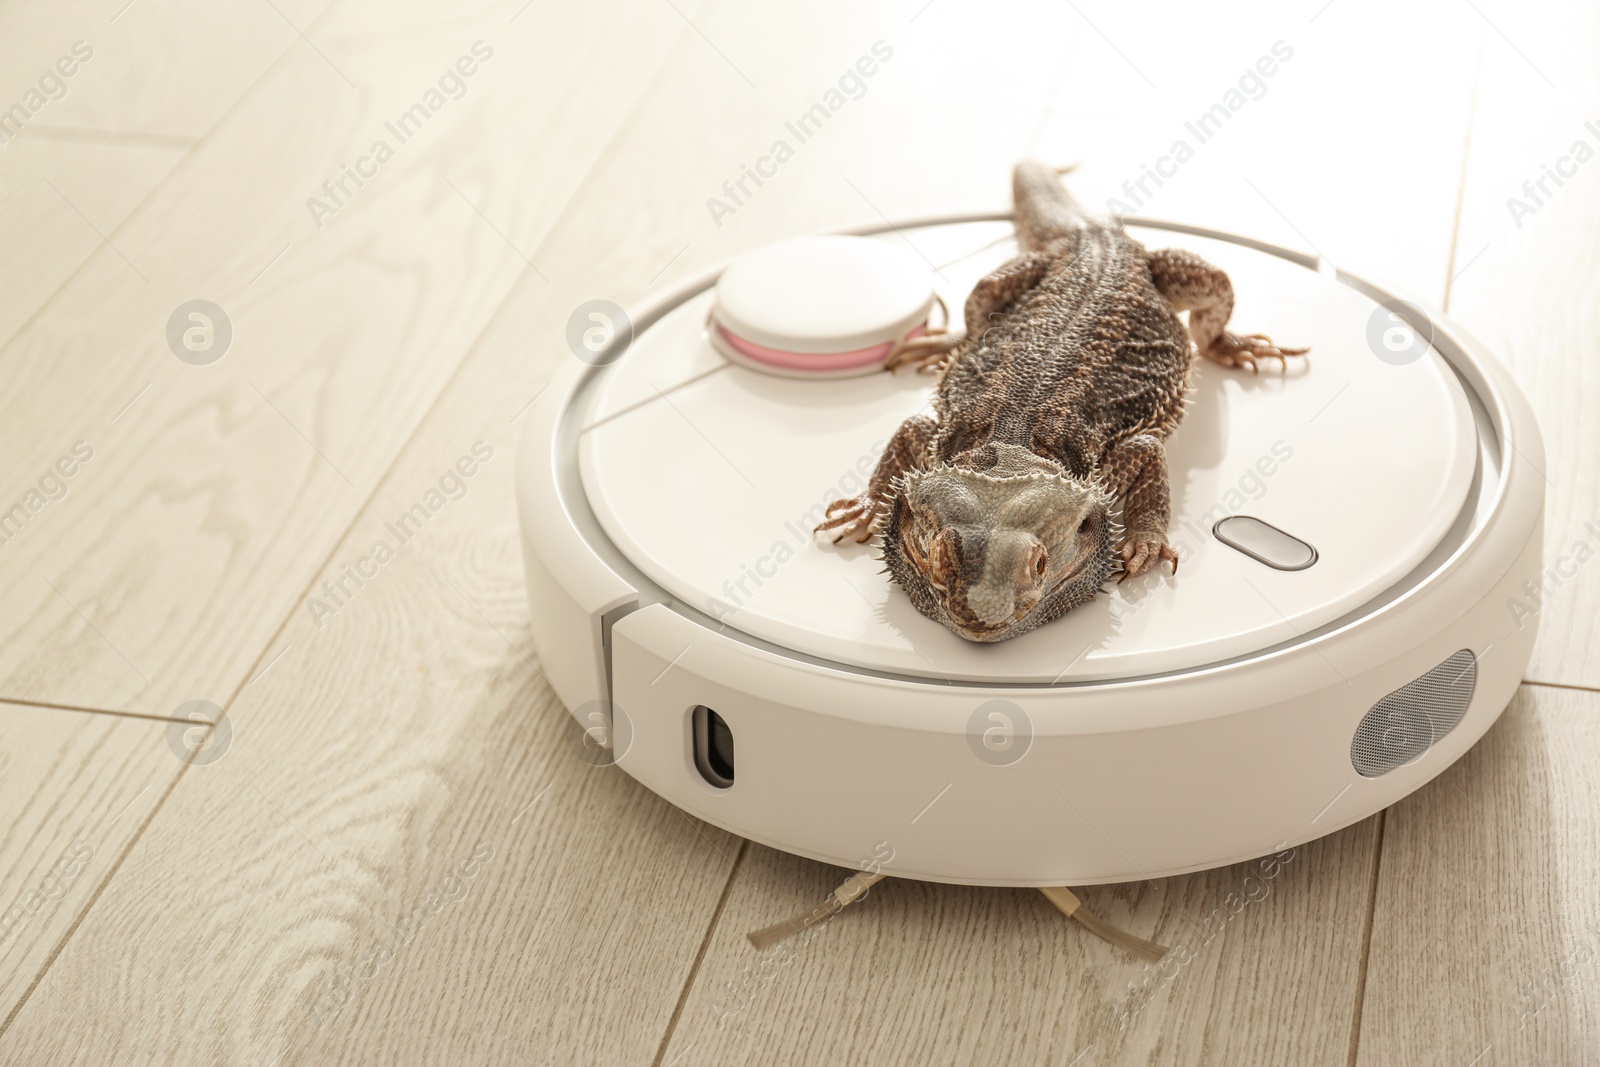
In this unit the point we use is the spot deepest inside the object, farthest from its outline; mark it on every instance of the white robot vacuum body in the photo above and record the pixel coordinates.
(1350, 535)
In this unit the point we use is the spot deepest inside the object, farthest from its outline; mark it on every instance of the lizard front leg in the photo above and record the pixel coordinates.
(860, 516)
(1136, 471)
(1191, 284)
(992, 293)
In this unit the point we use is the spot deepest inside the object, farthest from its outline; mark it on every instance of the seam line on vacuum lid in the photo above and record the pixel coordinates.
(661, 394)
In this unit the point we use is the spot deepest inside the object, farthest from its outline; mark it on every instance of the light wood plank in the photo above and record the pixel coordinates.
(157, 68)
(58, 198)
(307, 895)
(1486, 936)
(921, 973)
(1526, 289)
(437, 776)
(76, 788)
(101, 125)
(227, 485)
(1303, 156)
(920, 114)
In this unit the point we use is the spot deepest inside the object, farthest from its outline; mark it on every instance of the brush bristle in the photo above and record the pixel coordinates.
(1145, 950)
(853, 889)
(1069, 905)
(768, 936)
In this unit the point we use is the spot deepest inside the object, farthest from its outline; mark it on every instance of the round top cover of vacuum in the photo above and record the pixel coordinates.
(822, 294)
(709, 476)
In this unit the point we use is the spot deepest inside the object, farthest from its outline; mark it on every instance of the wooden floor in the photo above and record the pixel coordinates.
(397, 859)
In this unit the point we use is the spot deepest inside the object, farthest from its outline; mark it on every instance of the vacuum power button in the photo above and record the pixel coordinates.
(1265, 543)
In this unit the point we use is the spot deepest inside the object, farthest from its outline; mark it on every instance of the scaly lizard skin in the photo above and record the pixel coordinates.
(996, 513)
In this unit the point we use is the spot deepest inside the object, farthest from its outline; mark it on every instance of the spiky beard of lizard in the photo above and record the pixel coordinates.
(1077, 530)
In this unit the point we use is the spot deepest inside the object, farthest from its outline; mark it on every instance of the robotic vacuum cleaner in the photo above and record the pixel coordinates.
(1351, 531)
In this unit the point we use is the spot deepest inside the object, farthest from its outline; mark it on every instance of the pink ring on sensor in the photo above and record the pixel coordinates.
(812, 361)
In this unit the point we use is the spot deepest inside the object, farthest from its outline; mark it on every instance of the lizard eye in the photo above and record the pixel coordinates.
(1039, 565)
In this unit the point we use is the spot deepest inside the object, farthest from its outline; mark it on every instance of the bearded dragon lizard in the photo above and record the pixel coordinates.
(1053, 406)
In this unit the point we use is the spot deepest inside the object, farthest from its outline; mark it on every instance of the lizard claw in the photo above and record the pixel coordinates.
(928, 352)
(851, 517)
(1233, 350)
(1141, 551)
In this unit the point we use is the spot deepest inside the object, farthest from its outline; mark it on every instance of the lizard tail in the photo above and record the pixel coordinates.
(1045, 211)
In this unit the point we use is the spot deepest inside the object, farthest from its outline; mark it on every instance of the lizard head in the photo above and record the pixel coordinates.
(998, 541)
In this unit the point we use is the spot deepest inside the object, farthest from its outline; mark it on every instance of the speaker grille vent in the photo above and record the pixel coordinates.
(1406, 723)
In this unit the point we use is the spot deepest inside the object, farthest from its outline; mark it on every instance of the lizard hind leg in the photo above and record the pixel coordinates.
(929, 353)
(1190, 284)
(991, 295)
(931, 350)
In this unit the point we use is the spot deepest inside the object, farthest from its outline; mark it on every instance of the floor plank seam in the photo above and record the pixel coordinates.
(1571, 686)
(699, 958)
(148, 716)
(94, 898)
(1366, 938)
